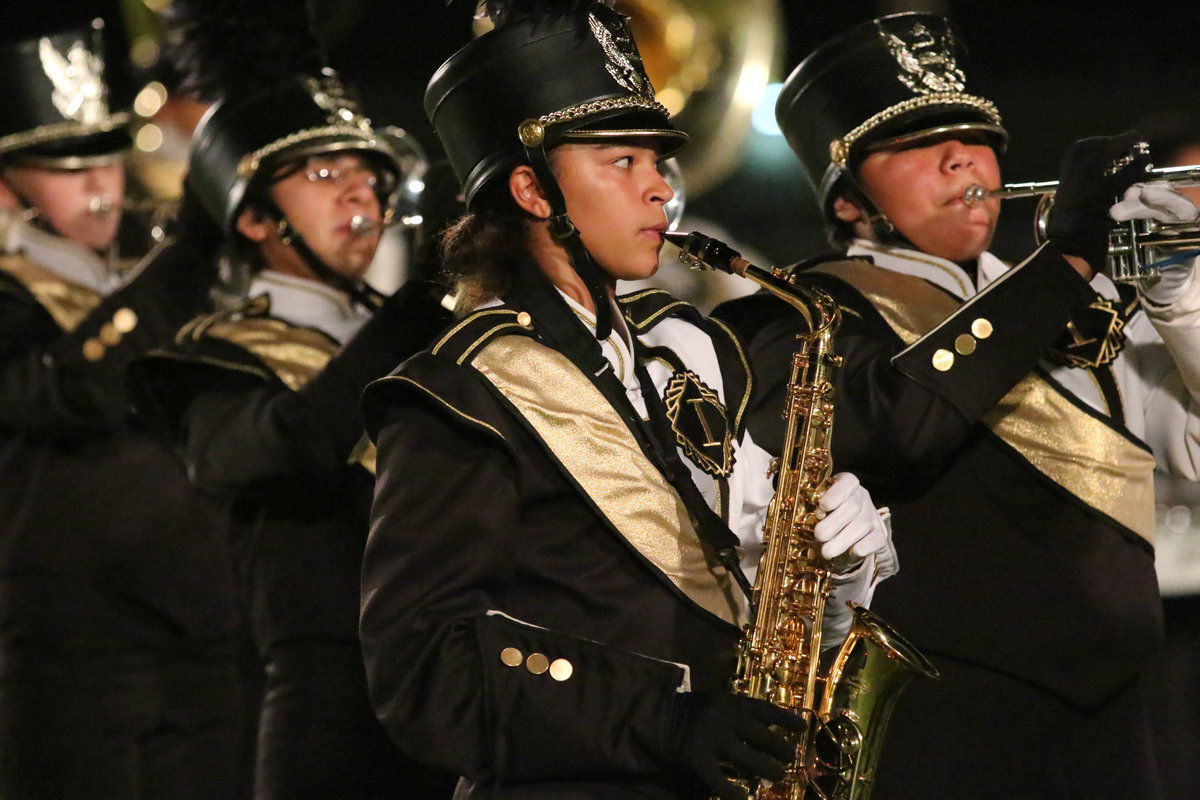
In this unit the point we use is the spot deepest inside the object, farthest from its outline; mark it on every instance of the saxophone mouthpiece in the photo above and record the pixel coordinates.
(706, 253)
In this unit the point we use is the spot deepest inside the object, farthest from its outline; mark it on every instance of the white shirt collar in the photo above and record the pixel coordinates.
(937, 271)
(310, 304)
(69, 260)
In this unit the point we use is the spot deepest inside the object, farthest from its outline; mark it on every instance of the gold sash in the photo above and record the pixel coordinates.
(68, 303)
(1074, 449)
(592, 442)
(294, 354)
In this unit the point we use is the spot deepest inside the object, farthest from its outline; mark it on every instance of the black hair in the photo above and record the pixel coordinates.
(482, 250)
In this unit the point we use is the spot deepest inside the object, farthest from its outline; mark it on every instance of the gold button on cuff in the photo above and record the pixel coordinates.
(965, 344)
(943, 360)
(125, 320)
(561, 669)
(511, 657)
(537, 663)
(93, 350)
(525, 319)
(109, 335)
(981, 328)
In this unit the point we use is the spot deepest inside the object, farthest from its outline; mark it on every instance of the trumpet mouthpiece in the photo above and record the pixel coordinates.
(975, 193)
(361, 226)
(99, 204)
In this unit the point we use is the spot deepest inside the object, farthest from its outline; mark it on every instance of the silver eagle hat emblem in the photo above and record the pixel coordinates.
(926, 60)
(331, 96)
(79, 92)
(624, 62)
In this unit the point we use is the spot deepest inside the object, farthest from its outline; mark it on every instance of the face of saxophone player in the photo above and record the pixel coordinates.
(920, 190)
(319, 196)
(615, 196)
(83, 205)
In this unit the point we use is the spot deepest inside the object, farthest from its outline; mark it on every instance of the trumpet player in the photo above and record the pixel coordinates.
(260, 398)
(1011, 417)
(550, 607)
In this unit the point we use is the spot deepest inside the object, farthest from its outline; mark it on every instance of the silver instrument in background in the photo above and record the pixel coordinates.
(1137, 249)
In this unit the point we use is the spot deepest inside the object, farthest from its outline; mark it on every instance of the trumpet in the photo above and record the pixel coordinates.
(1137, 249)
(1177, 176)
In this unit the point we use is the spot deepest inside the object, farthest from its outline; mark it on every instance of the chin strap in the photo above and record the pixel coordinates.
(532, 134)
(359, 292)
(881, 227)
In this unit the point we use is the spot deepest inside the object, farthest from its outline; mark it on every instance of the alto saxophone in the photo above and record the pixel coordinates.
(848, 707)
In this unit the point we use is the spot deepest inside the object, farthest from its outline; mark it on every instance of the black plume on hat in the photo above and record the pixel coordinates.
(502, 11)
(229, 47)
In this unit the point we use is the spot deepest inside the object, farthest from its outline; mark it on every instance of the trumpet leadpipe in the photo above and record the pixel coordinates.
(1188, 175)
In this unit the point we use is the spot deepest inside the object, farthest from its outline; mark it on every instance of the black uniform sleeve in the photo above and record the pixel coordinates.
(51, 389)
(899, 417)
(455, 681)
(244, 435)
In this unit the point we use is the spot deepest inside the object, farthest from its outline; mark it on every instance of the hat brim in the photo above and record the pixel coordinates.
(994, 135)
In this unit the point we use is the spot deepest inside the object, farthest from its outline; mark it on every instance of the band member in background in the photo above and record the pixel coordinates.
(549, 600)
(117, 618)
(261, 399)
(1010, 417)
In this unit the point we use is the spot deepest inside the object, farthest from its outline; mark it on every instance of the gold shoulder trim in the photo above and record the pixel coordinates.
(294, 354)
(68, 303)
(441, 402)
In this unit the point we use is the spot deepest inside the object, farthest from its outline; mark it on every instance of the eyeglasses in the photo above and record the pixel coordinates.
(319, 169)
(333, 170)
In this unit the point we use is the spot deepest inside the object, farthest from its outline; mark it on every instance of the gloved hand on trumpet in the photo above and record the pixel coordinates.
(1159, 201)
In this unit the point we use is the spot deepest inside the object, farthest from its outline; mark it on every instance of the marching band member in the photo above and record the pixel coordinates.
(261, 397)
(117, 625)
(550, 606)
(1011, 418)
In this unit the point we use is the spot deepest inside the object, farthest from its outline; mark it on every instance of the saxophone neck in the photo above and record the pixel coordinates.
(702, 252)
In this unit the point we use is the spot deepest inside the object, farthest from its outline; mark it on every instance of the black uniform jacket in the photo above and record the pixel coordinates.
(266, 416)
(104, 544)
(1002, 566)
(512, 633)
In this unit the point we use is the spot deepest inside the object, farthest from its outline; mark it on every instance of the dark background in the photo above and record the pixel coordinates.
(1057, 71)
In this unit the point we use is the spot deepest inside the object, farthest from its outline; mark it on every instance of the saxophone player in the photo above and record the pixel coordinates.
(1010, 417)
(550, 607)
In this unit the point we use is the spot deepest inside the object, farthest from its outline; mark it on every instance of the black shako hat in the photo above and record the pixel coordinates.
(242, 136)
(55, 102)
(536, 81)
(891, 81)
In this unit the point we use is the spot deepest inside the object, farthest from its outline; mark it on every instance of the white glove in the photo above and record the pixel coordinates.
(1158, 201)
(1155, 200)
(851, 524)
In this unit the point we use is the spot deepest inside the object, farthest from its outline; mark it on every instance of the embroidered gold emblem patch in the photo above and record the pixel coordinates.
(1093, 338)
(698, 420)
